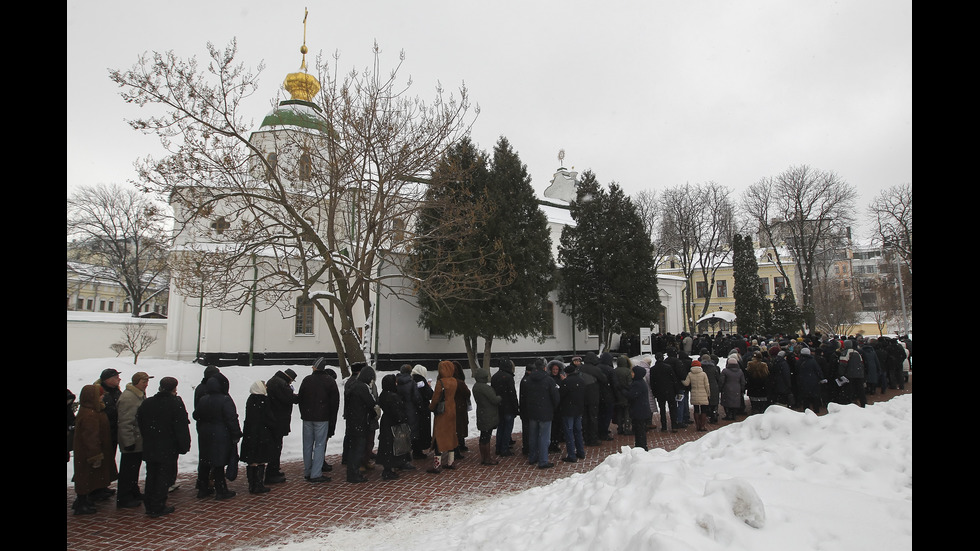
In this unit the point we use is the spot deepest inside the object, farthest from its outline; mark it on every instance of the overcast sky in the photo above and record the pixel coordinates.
(650, 94)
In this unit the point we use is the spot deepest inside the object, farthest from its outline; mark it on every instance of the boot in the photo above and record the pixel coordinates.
(221, 491)
(486, 458)
(255, 485)
(83, 506)
(436, 463)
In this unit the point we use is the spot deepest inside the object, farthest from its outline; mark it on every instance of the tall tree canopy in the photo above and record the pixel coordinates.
(608, 278)
(510, 244)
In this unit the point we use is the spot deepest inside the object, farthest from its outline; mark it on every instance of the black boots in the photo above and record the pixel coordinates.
(256, 475)
(486, 456)
(83, 505)
(221, 490)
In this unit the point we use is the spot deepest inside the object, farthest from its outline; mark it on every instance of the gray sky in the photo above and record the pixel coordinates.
(650, 94)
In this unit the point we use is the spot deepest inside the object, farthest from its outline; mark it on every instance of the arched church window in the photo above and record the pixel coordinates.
(273, 160)
(305, 167)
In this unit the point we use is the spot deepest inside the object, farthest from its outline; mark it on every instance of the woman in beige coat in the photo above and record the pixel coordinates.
(697, 379)
(444, 426)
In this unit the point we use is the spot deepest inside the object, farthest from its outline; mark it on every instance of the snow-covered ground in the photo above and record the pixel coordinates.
(779, 481)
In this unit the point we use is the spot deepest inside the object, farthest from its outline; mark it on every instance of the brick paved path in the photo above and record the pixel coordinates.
(299, 509)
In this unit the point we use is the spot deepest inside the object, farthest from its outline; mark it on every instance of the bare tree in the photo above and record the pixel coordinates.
(807, 211)
(648, 204)
(698, 229)
(891, 211)
(123, 231)
(835, 308)
(317, 204)
(136, 338)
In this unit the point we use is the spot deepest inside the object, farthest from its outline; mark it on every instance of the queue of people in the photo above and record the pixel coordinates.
(571, 405)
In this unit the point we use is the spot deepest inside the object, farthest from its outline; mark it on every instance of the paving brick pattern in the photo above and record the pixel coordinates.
(299, 509)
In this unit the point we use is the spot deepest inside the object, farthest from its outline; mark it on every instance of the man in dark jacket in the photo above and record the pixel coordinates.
(595, 385)
(319, 401)
(282, 398)
(571, 390)
(164, 426)
(109, 380)
(503, 385)
(539, 401)
(607, 394)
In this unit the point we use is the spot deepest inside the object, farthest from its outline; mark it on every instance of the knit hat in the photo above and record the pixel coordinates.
(168, 384)
(320, 364)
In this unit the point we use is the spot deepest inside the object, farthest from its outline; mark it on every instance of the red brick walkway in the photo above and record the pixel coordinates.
(298, 509)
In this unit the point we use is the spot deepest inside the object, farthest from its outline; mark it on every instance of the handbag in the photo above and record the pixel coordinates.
(402, 442)
(441, 406)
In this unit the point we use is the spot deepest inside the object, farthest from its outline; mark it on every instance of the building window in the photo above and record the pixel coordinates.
(270, 171)
(764, 285)
(305, 167)
(112, 305)
(90, 305)
(220, 225)
(101, 306)
(304, 316)
(779, 283)
(722, 288)
(80, 304)
(549, 319)
(701, 289)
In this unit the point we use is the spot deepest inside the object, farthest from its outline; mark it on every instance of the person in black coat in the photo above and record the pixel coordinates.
(607, 394)
(281, 399)
(205, 486)
(503, 385)
(319, 400)
(539, 401)
(571, 408)
(360, 414)
(423, 417)
(595, 385)
(639, 407)
(664, 385)
(219, 431)
(392, 414)
(165, 427)
(408, 391)
(258, 437)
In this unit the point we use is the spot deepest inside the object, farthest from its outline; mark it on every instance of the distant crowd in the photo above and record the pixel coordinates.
(686, 380)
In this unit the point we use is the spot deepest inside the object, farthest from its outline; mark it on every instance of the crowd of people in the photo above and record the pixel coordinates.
(685, 380)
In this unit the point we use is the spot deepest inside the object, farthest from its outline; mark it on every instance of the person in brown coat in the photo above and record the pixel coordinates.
(444, 427)
(95, 466)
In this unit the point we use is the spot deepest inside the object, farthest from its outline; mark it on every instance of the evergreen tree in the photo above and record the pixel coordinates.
(511, 242)
(787, 317)
(608, 278)
(750, 303)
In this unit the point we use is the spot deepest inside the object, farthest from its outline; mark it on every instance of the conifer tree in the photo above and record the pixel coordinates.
(750, 303)
(511, 242)
(608, 278)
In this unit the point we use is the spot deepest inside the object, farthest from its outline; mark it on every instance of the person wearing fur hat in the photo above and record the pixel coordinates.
(258, 437)
(697, 381)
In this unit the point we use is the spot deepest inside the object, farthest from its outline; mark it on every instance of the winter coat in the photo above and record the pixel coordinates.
(663, 382)
(444, 426)
(757, 374)
(110, 397)
(697, 379)
(359, 403)
(259, 441)
(503, 385)
(808, 375)
(539, 396)
(855, 365)
(487, 401)
(623, 380)
(732, 387)
(871, 366)
(129, 431)
(95, 461)
(282, 398)
(392, 414)
(714, 381)
(319, 398)
(423, 417)
(462, 402)
(571, 392)
(165, 427)
(590, 365)
(638, 397)
(217, 425)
